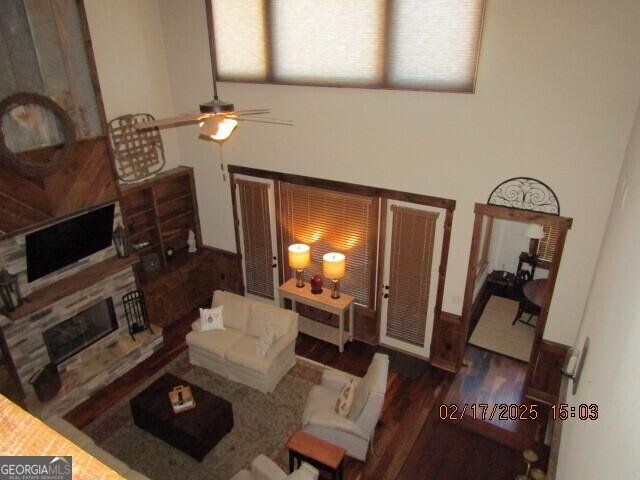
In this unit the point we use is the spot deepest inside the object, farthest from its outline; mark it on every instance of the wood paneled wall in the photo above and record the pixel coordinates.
(86, 182)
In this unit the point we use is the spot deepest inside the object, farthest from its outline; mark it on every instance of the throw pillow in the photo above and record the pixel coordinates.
(360, 398)
(211, 319)
(345, 399)
(267, 338)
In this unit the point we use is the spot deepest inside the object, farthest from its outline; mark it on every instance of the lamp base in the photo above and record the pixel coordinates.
(335, 289)
(300, 278)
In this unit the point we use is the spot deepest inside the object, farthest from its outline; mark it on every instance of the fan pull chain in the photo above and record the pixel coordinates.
(224, 175)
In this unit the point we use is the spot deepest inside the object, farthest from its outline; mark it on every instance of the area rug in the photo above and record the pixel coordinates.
(494, 330)
(262, 424)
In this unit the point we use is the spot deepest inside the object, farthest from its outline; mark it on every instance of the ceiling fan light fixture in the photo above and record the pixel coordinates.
(218, 128)
(217, 106)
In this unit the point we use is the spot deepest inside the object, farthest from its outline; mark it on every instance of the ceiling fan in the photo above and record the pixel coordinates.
(217, 119)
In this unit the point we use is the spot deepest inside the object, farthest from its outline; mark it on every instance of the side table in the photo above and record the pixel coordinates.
(321, 301)
(322, 455)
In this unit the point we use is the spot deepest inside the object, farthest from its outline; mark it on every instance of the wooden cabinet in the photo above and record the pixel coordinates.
(160, 212)
(187, 282)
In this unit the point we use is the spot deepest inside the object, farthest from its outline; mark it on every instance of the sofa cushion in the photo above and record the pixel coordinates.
(216, 342)
(70, 432)
(244, 353)
(263, 314)
(236, 309)
(320, 400)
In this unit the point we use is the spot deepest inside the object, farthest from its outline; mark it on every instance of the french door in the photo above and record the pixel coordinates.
(256, 211)
(413, 239)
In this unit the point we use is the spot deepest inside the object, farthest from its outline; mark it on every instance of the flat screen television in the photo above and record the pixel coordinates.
(64, 243)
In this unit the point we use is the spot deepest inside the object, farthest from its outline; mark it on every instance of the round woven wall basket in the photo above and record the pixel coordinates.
(24, 164)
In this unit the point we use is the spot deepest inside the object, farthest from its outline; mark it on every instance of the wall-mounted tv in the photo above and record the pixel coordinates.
(64, 243)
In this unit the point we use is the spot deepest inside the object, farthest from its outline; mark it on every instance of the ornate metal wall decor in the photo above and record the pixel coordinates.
(525, 193)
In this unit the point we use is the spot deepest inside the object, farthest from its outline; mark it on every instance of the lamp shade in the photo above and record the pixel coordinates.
(333, 265)
(218, 128)
(299, 255)
(534, 231)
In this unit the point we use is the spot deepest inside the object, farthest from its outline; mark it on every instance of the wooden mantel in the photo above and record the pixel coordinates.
(56, 291)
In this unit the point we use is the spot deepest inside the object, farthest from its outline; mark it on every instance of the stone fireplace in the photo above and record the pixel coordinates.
(74, 318)
(80, 331)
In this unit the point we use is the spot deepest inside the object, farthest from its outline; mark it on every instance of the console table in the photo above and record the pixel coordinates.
(321, 301)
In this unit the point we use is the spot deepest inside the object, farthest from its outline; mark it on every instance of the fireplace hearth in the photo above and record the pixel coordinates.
(80, 331)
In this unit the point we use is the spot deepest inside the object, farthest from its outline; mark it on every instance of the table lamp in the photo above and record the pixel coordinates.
(333, 266)
(535, 232)
(299, 258)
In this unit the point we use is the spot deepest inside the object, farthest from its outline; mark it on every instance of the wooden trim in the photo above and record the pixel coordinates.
(236, 226)
(444, 260)
(563, 223)
(382, 236)
(268, 39)
(345, 187)
(471, 279)
(93, 69)
(52, 293)
(196, 212)
(279, 247)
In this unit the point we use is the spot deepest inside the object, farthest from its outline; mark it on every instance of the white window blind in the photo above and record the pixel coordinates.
(331, 221)
(547, 245)
(407, 44)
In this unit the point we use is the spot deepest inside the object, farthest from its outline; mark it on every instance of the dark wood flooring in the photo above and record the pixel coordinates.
(412, 442)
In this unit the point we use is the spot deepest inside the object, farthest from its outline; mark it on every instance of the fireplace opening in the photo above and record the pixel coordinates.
(77, 333)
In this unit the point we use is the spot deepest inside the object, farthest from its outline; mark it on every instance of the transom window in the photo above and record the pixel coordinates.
(404, 44)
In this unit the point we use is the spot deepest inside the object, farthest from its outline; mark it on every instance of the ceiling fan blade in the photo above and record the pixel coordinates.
(183, 119)
(274, 121)
(251, 112)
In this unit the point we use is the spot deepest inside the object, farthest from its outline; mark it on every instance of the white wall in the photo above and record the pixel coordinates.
(131, 62)
(608, 447)
(557, 85)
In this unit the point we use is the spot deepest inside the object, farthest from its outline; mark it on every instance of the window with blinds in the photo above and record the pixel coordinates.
(406, 44)
(412, 243)
(547, 245)
(256, 237)
(331, 221)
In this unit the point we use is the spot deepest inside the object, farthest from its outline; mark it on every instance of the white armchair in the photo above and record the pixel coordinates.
(355, 431)
(263, 468)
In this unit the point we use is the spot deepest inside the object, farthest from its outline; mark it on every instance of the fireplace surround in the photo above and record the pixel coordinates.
(69, 337)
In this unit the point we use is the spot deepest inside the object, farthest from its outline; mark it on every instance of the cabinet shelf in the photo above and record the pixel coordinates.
(169, 202)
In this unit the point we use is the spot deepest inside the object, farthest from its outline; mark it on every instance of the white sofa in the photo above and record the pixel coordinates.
(263, 468)
(351, 432)
(232, 352)
(86, 443)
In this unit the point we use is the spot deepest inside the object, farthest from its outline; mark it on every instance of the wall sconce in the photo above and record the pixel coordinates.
(9, 291)
(535, 232)
(121, 241)
(333, 267)
(299, 258)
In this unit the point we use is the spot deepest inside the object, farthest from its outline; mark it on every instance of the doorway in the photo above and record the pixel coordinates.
(533, 281)
(512, 256)
(255, 199)
(413, 242)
